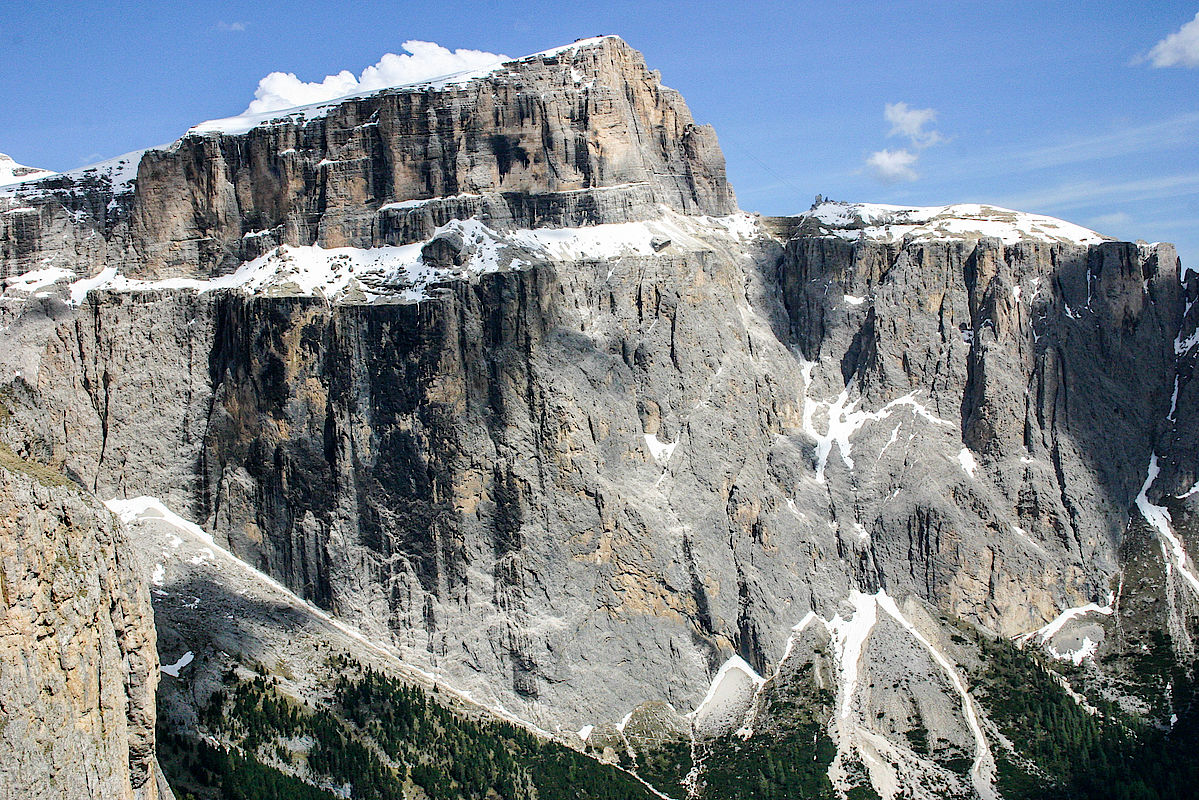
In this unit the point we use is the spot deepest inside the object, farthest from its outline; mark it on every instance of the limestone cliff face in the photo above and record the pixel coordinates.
(590, 119)
(1055, 363)
(689, 449)
(77, 646)
(620, 434)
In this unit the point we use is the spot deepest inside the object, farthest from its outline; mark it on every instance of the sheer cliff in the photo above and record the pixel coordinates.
(492, 369)
(77, 645)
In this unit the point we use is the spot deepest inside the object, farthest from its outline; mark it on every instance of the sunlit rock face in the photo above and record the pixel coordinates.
(76, 644)
(494, 370)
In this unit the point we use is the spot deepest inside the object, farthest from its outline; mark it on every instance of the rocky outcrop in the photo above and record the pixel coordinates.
(590, 120)
(77, 645)
(616, 437)
(534, 463)
(1054, 361)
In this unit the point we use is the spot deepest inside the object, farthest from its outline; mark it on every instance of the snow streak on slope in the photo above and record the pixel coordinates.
(1159, 518)
(844, 420)
(982, 772)
(1049, 631)
(892, 769)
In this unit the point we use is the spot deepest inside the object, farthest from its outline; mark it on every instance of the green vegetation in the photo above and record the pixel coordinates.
(42, 473)
(787, 758)
(193, 766)
(666, 765)
(378, 736)
(382, 739)
(1070, 753)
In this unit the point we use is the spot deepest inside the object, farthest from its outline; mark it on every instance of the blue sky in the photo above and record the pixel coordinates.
(1053, 107)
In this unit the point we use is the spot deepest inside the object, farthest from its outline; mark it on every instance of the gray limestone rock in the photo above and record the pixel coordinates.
(588, 463)
(78, 666)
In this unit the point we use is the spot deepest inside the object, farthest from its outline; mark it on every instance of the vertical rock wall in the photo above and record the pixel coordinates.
(78, 667)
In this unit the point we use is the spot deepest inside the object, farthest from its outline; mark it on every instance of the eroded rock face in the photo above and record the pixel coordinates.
(77, 646)
(533, 464)
(581, 119)
(1054, 362)
(578, 478)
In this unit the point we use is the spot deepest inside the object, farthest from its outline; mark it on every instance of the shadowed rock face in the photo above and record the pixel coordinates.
(76, 644)
(584, 479)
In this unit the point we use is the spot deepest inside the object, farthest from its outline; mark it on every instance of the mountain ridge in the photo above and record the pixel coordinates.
(561, 424)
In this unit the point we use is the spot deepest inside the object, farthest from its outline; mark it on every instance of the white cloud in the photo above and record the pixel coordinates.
(235, 27)
(424, 60)
(1179, 49)
(912, 123)
(893, 166)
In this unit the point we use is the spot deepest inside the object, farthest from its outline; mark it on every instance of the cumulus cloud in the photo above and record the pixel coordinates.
(893, 166)
(234, 27)
(421, 61)
(1179, 49)
(912, 123)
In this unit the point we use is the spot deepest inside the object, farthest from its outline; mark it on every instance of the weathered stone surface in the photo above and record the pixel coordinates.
(577, 120)
(78, 667)
(578, 483)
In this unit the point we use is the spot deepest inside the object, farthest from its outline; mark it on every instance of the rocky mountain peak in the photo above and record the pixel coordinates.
(579, 134)
(960, 221)
(491, 368)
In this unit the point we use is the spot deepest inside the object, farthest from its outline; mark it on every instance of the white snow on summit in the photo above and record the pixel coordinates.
(11, 172)
(960, 221)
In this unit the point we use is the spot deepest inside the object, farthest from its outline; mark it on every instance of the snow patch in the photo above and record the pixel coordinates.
(144, 507)
(728, 699)
(119, 173)
(661, 451)
(11, 172)
(173, 669)
(1085, 650)
(1159, 518)
(399, 273)
(1047, 632)
(35, 280)
(844, 421)
(966, 459)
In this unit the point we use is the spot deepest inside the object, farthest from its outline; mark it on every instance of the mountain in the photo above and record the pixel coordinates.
(486, 385)
(12, 172)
